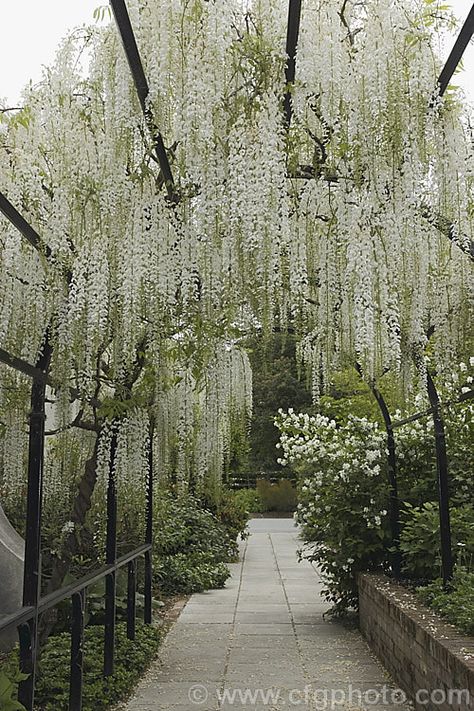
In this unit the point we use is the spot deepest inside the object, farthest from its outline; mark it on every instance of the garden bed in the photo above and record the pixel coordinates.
(430, 660)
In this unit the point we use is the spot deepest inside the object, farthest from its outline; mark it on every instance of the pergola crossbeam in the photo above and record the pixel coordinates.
(122, 19)
(294, 21)
(464, 397)
(22, 366)
(26, 230)
(457, 52)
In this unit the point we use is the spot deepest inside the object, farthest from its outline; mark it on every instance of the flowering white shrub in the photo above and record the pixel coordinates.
(344, 491)
(343, 495)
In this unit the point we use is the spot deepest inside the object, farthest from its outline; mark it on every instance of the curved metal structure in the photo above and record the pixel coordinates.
(443, 483)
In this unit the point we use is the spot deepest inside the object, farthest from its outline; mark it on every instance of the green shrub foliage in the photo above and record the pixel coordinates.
(420, 539)
(344, 493)
(249, 500)
(192, 543)
(188, 573)
(456, 604)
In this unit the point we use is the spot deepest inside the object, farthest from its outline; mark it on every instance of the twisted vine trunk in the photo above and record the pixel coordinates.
(81, 507)
(71, 544)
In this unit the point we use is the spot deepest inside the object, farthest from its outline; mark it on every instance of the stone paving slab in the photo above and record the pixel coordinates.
(264, 642)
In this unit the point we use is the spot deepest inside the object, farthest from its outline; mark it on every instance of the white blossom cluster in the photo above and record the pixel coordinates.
(327, 455)
(193, 437)
(364, 88)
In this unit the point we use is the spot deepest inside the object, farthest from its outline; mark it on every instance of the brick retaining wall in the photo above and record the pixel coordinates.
(419, 649)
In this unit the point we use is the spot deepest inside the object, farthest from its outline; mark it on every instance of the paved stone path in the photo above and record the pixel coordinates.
(264, 643)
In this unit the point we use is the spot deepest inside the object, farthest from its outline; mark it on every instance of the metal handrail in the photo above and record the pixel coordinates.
(24, 614)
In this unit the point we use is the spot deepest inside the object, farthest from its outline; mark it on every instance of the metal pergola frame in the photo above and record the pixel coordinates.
(124, 25)
(457, 52)
(26, 619)
(294, 21)
(436, 411)
(444, 226)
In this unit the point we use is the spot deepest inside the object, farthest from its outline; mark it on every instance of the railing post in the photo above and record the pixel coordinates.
(27, 639)
(131, 599)
(148, 616)
(77, 651)
(111, 558)
(32, 566)
(443, 483)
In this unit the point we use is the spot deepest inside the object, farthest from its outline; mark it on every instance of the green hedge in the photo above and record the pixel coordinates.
(280, 496)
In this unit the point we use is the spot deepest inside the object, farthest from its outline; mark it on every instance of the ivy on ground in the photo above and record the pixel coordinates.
(132, 658)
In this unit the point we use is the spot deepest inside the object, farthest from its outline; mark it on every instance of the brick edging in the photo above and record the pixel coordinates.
(418, 647)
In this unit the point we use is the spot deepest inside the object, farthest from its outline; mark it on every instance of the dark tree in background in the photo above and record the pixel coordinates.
(275, 385)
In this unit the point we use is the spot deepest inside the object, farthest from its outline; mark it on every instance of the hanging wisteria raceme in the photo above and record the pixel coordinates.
(349, 226)
(378, 142)
(197, 418)
(13, 455)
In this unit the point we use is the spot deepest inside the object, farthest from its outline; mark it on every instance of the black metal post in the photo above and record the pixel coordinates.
(111, 558)
(149, 532)
(131, 599)
(294, 20)
(77, 651)
(457, 52)
(394, 501)
(443, 483)
(32, 565)
(122, 19)
(394, 504)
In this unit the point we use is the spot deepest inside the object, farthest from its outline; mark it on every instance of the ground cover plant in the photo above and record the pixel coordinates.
(131, 661)
(10, 677)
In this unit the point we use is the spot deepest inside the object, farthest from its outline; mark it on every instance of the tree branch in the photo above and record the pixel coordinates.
(342, 15)
(448, 229)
